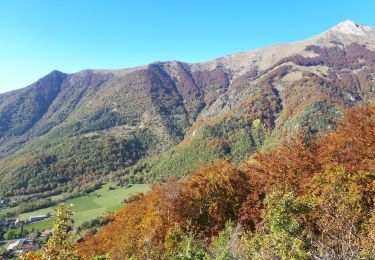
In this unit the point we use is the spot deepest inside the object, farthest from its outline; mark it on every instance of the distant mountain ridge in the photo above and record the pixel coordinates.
(69, 130)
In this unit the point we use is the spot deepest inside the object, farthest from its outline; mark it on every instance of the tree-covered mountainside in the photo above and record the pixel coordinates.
(69, 132)
(303, 199)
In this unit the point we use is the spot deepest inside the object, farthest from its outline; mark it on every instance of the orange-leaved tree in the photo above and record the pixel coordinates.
(211, 196)
(139, 229)
(352, 145)
(289, 166)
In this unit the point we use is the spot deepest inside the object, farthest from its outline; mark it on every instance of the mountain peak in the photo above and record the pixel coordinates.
(350, 27)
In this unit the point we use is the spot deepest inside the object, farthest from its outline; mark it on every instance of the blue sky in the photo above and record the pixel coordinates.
(38, 36)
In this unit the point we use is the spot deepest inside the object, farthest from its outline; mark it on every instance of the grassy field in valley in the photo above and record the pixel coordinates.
(90, 206)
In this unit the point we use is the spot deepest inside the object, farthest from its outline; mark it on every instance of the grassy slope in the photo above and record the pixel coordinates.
(90, 206)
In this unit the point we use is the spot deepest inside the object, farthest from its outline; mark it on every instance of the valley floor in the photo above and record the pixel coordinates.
(108, 198)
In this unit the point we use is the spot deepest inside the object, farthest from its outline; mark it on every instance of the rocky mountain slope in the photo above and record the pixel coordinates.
(68, 131)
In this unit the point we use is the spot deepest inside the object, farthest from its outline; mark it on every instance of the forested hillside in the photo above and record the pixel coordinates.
(307, 198)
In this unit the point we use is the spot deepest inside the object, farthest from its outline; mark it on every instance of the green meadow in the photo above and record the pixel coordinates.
(90, 206)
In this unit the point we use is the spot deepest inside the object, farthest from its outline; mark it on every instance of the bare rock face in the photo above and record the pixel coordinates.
(283, 86)
(350, 27)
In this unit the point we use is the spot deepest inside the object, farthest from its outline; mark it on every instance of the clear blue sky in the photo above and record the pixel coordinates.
(69, 35)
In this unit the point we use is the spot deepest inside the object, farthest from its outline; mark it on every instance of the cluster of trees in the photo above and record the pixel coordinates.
(308, 198)
(91, 227)
(14, 233)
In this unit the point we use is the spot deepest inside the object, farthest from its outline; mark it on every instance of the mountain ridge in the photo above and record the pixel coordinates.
(137, 113)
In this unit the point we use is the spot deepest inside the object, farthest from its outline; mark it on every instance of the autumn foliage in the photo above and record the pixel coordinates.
(304, 199)
(353, 144)
(139, 228)
(211, 196)
(202, 204)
